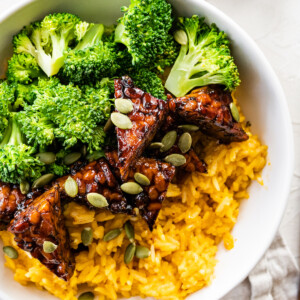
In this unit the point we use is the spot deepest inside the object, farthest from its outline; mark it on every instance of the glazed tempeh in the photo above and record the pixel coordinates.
(95, 177)
(43, 221)
(146, 117)
(159, 173)
(209, 108)
(12, 201)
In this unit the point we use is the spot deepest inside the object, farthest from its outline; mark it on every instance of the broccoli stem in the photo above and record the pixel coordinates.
(13, 135)
(92, 37)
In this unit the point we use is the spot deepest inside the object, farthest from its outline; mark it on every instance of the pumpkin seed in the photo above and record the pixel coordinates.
(141, 179)
(71, 158)
(71, 187)
(124, 106)
(112, 234)
(95, 155)
(142, 252)
(180, 37)
(129, 230)
(10, 252)
(43, 180)
(49, 247)
(97, 200)
(108, 125)
(185, 142)
(121, 121)
(129, 253)
(189, 127)
(168, 140)
(24, 187)
(234, 112)
(86, 296)
(46, 157)
(131, 188)
(87, 236)
(176, 160)
(83, 150)
(155, 145)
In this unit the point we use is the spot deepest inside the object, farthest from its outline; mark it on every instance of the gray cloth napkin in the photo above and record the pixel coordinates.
(275, 277)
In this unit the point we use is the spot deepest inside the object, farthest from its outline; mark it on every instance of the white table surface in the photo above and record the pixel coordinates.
(275, 26)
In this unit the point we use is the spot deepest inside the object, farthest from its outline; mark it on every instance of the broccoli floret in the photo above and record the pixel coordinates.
(38, 130)
(48, 40)
(17, 162)
(144, 30)
(149, 82)
(75, 115)
(204, 58)
(91, 59)
(168, 58)
(98, 98)
(7, 98)
(23, 68)
(90, 64)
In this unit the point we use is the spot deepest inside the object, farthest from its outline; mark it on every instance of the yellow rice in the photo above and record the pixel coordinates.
(198, 214)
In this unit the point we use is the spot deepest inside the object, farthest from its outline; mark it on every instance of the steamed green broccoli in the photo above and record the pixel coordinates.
(149, 82)
(144, 30)
(23, 68)
(6, 101)
(88, 35)
(38, 130)
(17, 161)
(76, 115)
(90, 64)
(91, 59)
(48, 40)
(204, 59)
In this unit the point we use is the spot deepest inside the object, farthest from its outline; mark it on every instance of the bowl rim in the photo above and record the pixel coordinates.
(8, 12)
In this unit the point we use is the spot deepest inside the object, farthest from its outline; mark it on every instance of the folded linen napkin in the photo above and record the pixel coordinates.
(275, 277)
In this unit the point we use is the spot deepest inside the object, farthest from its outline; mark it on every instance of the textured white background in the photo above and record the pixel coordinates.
(275, 26)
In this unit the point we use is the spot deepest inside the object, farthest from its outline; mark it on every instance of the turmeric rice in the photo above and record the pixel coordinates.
(197, 215)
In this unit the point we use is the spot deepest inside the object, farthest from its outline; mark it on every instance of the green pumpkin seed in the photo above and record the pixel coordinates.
(87, 236)
(112, 234)
(71, 187)
(24, 187)
(234, 112)
(185, 142)
(176, 160)
(129, 230)
(49, 247)
(121, 121)
(142, 252)
(83, 150)
(168, 141)
(155, 145)
(46, 157)
(10, 252)
(129, 253)
(86, 296)
(108, 125)
(97, 200)
(180, 37)
(71, 158)
(189, 127)
(43, 180)
(95, 155)
(124, 106)
(131, 188)
(141, 179)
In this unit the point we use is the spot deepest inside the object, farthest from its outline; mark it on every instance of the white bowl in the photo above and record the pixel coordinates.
(262, 101)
